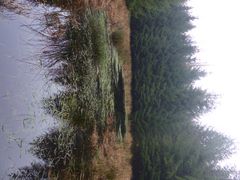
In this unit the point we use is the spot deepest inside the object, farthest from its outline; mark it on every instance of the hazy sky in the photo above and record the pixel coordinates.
(217, 34)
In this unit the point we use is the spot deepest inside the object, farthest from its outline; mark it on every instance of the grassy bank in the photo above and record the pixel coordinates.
(88, 55)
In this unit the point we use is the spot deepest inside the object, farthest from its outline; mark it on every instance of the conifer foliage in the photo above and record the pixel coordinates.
(169, 144)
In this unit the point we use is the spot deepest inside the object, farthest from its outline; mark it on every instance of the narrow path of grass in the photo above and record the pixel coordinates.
(119, 154)
(120, 21)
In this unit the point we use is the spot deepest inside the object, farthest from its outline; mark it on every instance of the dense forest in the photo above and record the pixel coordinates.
(168, 142)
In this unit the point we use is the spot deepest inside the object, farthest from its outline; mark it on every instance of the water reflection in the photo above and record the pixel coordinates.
(22, 86)
(79, 57)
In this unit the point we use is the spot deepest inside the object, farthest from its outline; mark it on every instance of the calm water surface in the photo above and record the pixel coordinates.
(22, 87)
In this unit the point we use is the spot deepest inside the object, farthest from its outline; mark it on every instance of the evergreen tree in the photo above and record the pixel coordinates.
(168, 143)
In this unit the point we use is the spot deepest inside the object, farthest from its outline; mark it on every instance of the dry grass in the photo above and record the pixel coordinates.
(118, 20)
(113, 158)
(13, 6)
(119, 17)
(119, 154)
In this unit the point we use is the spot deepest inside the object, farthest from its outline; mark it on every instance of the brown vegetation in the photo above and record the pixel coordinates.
(119, 17)
(118, 21)
(113, 157)
(13, 6)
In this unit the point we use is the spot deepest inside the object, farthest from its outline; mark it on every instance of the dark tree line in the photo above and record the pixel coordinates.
(168, 142)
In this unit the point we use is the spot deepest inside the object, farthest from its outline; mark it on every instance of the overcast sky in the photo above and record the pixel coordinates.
(217, 34)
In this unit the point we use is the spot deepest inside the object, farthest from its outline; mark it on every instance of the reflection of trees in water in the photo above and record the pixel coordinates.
(67, 149)
(79, 57)
(64, 149)
(35, 171)
(55, 148)
(72, 108)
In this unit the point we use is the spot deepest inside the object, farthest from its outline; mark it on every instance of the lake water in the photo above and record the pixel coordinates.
(84, 102)
(22, 87)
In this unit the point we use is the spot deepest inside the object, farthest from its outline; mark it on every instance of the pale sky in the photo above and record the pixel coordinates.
(217, 35)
